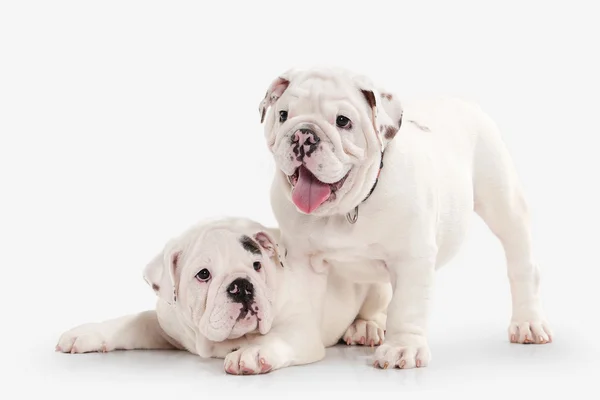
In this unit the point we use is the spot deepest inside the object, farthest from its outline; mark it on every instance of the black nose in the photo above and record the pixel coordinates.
(307, 131)
(304, 142)
(241, 291)
(305, 136)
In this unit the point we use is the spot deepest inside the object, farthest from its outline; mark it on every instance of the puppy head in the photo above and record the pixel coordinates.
(220, 275)
(326, 129)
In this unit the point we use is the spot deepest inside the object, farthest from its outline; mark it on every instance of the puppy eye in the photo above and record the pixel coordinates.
(257, 265)
(203, 275)
(282, 116)
(342, 122)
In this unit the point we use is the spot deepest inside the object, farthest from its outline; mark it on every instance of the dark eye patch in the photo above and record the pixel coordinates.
(250, 245)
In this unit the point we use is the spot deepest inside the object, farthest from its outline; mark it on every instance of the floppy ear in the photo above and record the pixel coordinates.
(161, 273)
(268, 243)
(386, 113)
(274, 92)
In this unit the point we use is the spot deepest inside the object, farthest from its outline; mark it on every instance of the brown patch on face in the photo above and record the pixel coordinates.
(155, 287)
(387, 96)
(390, 132)
(370, 97)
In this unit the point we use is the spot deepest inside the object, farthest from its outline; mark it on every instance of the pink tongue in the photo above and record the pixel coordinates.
(309, 193)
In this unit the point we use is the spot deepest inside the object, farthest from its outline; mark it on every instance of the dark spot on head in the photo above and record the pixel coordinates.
(155, 287)
(320, 167)
(250, 245)
(387, 96)
(370, 97)
(235, 349)
(291, 157)
(390, 132)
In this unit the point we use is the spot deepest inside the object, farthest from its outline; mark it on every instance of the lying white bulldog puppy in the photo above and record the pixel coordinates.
(226, 291)
(378, 190)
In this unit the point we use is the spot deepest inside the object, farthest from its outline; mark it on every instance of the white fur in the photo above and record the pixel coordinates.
(446, 161)
(300, 312)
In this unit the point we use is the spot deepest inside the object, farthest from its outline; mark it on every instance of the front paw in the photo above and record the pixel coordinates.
(253, 360)
(529, 331)
(364, 333)
(83, 339)
(404, 351)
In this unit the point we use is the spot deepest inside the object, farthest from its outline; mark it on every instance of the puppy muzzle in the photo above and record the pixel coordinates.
(236, 308)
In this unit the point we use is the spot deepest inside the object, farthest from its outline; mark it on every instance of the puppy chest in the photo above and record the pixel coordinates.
(333, 237)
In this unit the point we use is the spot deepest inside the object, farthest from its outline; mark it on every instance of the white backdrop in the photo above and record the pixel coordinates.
(123, 122)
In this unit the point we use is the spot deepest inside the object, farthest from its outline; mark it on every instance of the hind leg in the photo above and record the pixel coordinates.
(500, 202)
(510, 224)
(369, 326)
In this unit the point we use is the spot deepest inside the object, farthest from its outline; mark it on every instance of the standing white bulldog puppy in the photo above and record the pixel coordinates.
(381, 190)
(226, 291)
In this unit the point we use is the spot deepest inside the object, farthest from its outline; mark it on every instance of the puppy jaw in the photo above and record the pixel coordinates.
(350, 177)
(225, 319)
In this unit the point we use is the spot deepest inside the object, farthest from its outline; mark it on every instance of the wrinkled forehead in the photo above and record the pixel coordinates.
(318, 86)
(222, 246)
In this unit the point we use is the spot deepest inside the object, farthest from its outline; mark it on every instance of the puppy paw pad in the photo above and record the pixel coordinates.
(402, 356)
(84, 339)
(363, 332)
(529, 332)
(248, 361)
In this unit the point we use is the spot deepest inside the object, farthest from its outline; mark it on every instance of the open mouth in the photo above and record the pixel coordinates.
(308, 193)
